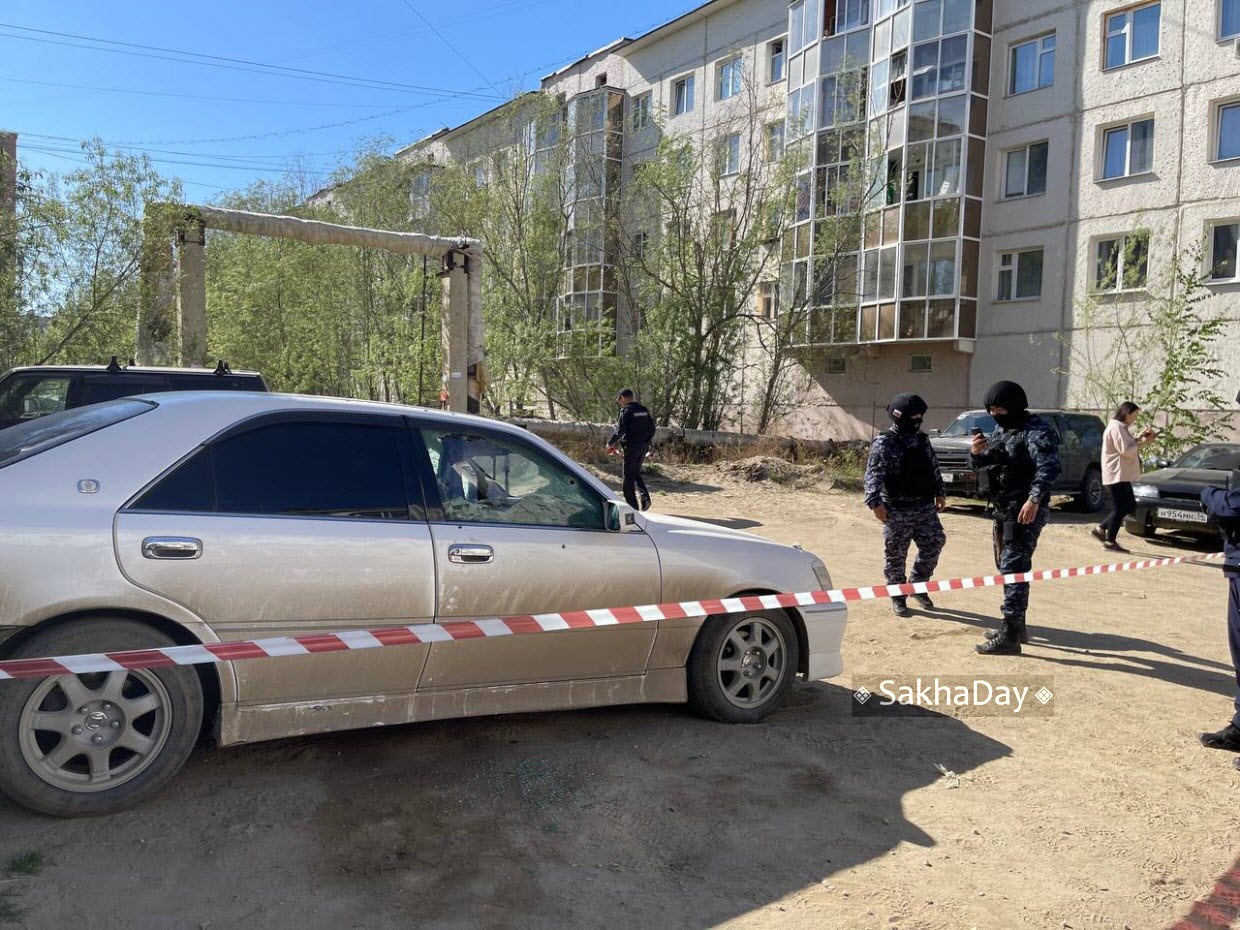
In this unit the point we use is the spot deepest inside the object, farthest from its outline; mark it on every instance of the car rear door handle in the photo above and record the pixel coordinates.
(470, 554)
(171, 547)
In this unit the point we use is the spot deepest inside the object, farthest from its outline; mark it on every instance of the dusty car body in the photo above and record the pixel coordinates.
(1169, 498)
(205, 517)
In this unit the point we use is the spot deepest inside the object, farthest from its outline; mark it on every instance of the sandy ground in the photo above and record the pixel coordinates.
(1106, 815)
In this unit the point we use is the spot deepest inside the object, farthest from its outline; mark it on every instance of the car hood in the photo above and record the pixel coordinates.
(1186, 479)
(951, 443)
(665, 525)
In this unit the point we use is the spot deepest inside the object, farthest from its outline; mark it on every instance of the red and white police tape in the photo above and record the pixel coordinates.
(277, 646)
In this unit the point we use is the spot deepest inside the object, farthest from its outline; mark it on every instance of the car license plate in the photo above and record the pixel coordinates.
(948, 477)
(1182, 516)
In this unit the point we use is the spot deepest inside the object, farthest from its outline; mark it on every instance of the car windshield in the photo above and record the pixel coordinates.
(964, 424)
(1222, 458)
(35, 436)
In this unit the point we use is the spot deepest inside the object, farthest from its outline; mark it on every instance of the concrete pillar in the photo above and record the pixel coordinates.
(455, 331)
(8, 172)
(192, 294)
(477, 332)
(157, 294)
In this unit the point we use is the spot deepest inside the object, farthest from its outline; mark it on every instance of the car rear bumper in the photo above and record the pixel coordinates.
(824, 635)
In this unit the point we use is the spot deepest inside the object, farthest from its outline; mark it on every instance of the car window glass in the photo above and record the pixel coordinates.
(1222, 458)
(25, 398)
(1089, 429)
(96, 390)
(486, 478)
(187, 489)
(38, 435)
(178, 382)
(312, 469)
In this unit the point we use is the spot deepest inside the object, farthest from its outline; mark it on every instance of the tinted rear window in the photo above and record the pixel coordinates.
(35, 436)
(95, 390)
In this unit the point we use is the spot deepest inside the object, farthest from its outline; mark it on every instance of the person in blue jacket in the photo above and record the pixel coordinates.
(1224, 506)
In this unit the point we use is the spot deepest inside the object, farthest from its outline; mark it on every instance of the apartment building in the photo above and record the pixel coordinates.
(1038, 156)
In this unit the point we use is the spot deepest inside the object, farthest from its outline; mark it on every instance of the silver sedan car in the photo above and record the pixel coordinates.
(207, 517)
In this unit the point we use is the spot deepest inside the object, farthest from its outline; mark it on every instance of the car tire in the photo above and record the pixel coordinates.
(1093, 495)
(742, 665)
(129, 734)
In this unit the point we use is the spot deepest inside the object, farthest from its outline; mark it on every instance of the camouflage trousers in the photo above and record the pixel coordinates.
(1014, 547)
(916, 524)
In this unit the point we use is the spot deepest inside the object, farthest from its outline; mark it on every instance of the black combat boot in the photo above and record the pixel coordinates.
(645, 500)
(923, 601)
(1024, 634)
(1007, 643)
(1227, 738)
(899, 607)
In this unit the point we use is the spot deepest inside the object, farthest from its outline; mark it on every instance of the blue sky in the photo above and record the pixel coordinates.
(267, 122)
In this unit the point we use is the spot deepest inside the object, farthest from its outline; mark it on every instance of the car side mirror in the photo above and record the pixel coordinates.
(1162, 463)
(934, 433)
(621, 518)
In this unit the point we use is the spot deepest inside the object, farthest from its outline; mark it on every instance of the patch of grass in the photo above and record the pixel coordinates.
(10, 910)
(30, 862)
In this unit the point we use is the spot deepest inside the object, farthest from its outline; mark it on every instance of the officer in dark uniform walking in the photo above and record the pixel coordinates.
(633, 434)
(1224, 507)
(904, 489)
(1017, 467)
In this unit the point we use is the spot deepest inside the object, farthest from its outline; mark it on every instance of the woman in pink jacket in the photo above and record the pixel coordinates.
(1121, 466)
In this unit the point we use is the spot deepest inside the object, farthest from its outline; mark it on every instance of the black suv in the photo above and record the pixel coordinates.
(1080, 453)
(26, 393)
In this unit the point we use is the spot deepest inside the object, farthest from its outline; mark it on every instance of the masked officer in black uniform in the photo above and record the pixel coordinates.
(1017, 467)
(1224, 507)
(634, 432)
(904, 489)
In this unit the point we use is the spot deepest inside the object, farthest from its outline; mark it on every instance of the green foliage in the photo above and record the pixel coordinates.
(30, 862)
(73, 294)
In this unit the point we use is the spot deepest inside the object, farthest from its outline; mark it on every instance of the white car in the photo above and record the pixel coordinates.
(203, 517)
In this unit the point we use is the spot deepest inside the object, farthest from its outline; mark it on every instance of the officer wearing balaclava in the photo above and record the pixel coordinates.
(1224, 506)
(1018, 464)
(904, 490)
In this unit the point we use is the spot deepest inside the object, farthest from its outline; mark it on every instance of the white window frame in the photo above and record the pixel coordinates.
(1040, 42)
(1003, 173)
(730, 155)
(732, 67)
(1209, 257)
(1128, 11)
(1216, 129)
(643, 106)
(1122, 239)
(782, 42)
(1014, 266)
(771, 153)
(1105, 130)
(1218, 23)
(768, 300)
(688, 83)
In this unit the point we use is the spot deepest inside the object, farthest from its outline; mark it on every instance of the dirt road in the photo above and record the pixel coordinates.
(1107, 815)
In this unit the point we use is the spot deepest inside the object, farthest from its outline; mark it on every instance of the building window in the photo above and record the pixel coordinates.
(836, 364)
(1122, 263)
(768, 300)
(775, 140)
(1128, 150)
(1033, 65)
(1024, 171)
(641, 111)
(1223, 239)
(682, 95)
(730, 75)
(1132, 35)
(730, 154)
(637, 246)
(1020, 275)
(775, 61)
(1228, 19)
(1228, 146)
(480, 175)
(921, 363)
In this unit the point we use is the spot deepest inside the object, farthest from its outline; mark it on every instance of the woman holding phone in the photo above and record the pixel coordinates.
(1121, 466)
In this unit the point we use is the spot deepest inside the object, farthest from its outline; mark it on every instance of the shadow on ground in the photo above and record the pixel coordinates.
(613, 817)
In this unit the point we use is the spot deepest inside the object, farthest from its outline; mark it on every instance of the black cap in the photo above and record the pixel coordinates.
(906, 405)
(1009, 395)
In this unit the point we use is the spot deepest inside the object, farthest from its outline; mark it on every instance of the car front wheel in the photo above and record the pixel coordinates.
(1093, 494)
(78, 745)
(741, 666)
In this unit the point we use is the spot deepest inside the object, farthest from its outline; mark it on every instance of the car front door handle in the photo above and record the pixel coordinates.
(470, 554)
(171, 547)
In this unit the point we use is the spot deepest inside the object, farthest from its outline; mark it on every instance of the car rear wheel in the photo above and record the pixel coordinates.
(1093, 494)
(741, 666)
(77, 745)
